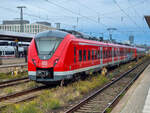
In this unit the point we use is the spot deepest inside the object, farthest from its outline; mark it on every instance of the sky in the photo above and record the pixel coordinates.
(89, 16)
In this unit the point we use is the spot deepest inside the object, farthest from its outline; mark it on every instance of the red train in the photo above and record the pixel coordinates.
(58, 55)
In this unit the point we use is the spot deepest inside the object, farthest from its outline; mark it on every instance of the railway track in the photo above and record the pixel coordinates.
(103, 100)
(20, 96)
(14, 82)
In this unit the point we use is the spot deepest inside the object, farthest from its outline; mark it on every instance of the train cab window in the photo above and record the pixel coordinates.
(89, 54)
(84, 55)
(74, 54)
(80, 55)
(74, 51)
(92, 54)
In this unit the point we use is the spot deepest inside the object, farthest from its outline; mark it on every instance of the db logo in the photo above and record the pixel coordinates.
(44, 63)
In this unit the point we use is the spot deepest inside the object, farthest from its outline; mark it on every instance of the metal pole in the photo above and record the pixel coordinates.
(21, 18)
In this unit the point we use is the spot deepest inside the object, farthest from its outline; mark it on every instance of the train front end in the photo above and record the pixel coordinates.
(44, 55)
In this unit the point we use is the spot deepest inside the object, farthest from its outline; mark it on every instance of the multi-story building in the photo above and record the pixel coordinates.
(28, 28)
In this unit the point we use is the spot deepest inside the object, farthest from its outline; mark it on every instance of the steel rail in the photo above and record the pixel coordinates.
(20, 93)
(118, 97)
(13, 80)
(14, 83)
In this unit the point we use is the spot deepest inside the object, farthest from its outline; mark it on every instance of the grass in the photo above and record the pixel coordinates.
(26, 108)
(9, 76)
(8, 91)
(32, 84)
(108, 110)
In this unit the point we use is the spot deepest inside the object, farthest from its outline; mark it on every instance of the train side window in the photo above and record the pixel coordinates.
(84, 55)
(98, 56)
(95, 54)
(92, 54)
(80, 55)
(101, 54)
(104, 54)
(120, 52)
(0, 53)
(9, 52)
(110, 52)
(115, 52)
(74, 54)
(89, 54)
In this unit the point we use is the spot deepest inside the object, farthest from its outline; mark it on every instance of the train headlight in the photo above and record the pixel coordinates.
(34, 62)
(55, 62)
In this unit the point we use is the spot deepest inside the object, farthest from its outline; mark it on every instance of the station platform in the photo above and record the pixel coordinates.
(137, 98)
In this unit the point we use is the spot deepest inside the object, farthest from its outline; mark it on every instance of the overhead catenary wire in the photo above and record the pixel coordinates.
(136, 12)
(73, 12)
(126, 14)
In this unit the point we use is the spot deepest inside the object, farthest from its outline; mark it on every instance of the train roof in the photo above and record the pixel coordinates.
(51, 33)
(10, 48)
(88, 37)
(61, 33)
(7, 48)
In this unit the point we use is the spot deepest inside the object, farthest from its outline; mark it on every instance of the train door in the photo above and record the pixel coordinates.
(75, 56)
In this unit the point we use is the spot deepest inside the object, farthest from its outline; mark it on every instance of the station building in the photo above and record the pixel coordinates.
(14, 26)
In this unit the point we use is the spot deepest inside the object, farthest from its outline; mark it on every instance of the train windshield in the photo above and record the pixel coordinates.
(47, 46)
(47, 42)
